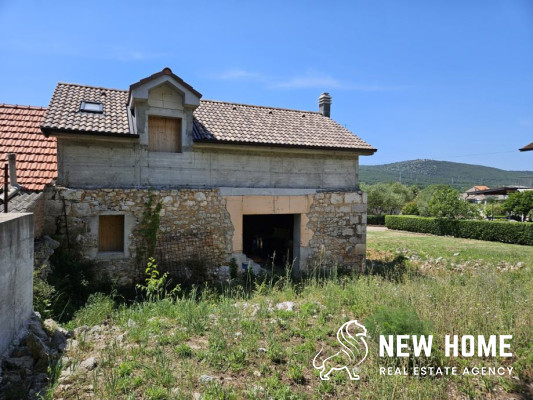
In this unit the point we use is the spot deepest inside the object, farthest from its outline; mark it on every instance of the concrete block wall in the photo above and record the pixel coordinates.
(89, 163)
(16, 275)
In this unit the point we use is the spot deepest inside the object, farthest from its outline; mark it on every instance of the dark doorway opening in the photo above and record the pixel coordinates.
(269, 239)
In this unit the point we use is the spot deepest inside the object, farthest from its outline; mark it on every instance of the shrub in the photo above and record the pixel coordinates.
(375, 220)
(410, 208)
(495, 231)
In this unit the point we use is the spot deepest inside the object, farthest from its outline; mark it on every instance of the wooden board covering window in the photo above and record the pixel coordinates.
(164, 134)
(111, 233)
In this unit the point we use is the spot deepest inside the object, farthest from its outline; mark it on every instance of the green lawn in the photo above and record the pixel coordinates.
(239, 345)
(429, 247)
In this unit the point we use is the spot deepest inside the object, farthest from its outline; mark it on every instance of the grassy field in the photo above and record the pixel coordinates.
(238, 344)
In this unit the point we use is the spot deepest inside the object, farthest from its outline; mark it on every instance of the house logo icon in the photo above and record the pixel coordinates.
(353, 352)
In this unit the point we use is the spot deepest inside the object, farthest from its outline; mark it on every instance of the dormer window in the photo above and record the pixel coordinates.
(92, 107)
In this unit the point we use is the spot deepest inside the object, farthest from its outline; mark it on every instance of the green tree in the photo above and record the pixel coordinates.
(446, 203)
(519, 203)
(423, 198)
(387, 198)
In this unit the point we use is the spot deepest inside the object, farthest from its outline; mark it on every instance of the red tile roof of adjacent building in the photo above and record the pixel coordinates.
(20, 133)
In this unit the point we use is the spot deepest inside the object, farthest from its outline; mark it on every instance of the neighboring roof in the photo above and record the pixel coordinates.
(215, 121)
(20, 133)
(502, 190)
(165, 71)
(222, 122)
(64, 111)
(528, 147)
(475, 189)
(22, 202)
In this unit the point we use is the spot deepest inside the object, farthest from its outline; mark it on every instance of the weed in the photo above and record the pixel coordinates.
(155, 287)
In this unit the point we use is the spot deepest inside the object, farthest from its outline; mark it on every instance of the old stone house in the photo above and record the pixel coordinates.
(233, 180)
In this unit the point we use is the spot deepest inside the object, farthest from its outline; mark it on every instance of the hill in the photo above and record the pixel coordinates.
(428, 172)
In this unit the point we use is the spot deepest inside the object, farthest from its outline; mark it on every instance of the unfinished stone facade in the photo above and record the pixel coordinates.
(194, 223)
(196, 233)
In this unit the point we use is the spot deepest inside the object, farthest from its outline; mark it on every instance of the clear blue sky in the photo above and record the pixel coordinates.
(446, 80)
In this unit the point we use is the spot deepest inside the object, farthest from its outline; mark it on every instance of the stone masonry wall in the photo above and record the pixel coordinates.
(338, 221)
(194, 224)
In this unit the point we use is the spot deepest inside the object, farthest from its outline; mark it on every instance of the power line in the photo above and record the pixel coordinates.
(482, 154)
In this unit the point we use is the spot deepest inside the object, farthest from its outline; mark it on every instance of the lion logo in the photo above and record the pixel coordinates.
(353, 353)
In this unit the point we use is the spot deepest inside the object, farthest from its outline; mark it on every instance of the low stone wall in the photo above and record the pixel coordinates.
(194, 225)
(16, 275)
(338, 222)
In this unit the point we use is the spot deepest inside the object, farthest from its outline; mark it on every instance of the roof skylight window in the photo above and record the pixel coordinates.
(92, 107)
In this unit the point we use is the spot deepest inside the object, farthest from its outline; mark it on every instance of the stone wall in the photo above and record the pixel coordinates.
(196, 234)
(338, 221)
(194, 226)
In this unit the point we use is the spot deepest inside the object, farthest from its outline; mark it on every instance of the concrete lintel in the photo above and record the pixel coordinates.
(233, 191)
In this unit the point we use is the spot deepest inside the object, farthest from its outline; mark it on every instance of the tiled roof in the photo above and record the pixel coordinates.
(239, 123)
(64, 111)
(20, 133)
(528, 147)
(215, 121)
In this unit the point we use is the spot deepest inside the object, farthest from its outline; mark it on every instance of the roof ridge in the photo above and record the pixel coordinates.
(90, 86)
(23, 107)
(258, 106)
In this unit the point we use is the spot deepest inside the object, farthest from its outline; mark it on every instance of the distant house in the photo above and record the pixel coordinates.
(237, 181)
(499, 194)
(32, 160)
(528, 147)
(472, 195)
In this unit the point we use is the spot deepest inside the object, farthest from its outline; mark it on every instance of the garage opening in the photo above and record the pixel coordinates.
(270, 239)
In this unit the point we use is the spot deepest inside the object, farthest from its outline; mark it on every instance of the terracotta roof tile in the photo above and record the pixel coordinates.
(239, 123)
(214, 121)
(64, 110)
(20, 133)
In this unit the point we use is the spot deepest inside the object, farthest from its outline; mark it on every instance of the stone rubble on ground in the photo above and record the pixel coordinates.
(25, 372)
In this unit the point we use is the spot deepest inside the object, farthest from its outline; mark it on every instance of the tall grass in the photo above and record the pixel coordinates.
(250, 349)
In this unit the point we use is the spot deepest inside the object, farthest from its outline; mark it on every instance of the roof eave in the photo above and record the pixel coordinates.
(55, 132)
(359, 151)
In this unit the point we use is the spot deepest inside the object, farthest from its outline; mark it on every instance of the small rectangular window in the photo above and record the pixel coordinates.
(111, 233)
(164, 134)
(92, 106)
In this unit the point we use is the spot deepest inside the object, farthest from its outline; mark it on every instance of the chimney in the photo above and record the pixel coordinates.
(324, 105)
(12, 169)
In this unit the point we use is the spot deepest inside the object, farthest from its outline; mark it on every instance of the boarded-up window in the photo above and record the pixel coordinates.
(164, 134)
(111, 233)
